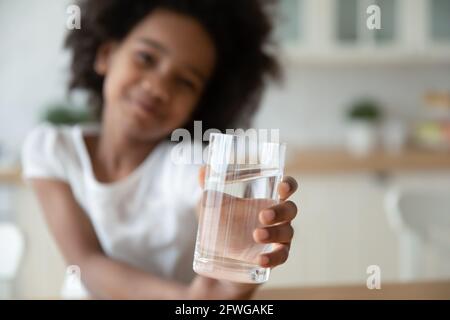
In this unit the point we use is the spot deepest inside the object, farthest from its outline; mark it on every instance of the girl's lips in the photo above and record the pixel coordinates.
(145, 107)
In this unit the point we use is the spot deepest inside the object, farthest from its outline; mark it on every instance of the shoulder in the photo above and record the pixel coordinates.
(46, 135)
(45, 149)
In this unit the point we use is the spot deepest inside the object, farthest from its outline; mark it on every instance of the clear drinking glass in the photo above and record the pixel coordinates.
(242, 177)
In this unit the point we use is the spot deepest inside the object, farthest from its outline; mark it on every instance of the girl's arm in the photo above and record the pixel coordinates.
(204, 288)
(104, 277)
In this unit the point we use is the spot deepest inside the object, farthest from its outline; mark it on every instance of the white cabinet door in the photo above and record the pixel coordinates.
(336, 31)
(439, 21)
(341, 229)
(352, 18)
(290, 22)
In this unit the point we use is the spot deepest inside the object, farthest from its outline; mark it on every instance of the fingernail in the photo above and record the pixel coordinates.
(269, 215)
(264, 260)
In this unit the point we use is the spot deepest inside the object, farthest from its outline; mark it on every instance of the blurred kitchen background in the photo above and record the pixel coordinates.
(365, 113)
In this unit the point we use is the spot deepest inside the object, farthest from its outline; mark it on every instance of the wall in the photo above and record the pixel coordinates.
(32, 64)
(309, 109)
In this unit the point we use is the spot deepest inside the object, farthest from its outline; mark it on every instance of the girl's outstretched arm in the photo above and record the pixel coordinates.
(104, 277)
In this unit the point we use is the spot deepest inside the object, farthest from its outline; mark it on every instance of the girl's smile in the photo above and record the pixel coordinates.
(144, 106)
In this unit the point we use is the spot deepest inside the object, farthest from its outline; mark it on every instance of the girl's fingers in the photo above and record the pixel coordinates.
(287, 187)
(282, 212)
(276, 257)
(280, 233)
(201, 176)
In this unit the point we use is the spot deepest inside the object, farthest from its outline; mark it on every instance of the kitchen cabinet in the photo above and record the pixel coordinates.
(351, 27)
(342, 228)
(439, 17)
(340, 161)
(336, 32)
(290, 26)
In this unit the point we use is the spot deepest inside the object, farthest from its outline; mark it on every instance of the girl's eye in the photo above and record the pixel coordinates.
(145, 58)
(186, 83)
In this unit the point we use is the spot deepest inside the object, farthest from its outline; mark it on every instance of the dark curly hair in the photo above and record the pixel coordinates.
(240, 31)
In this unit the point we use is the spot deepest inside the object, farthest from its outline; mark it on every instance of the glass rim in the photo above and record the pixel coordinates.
(281, 144)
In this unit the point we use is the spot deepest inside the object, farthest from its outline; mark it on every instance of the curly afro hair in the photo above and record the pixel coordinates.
(240, 30)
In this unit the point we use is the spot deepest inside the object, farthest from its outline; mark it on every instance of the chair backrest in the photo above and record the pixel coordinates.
(422, 219)
(73, 288)
(11, 250)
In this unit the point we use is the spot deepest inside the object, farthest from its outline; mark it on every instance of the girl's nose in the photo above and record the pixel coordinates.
(156, 89)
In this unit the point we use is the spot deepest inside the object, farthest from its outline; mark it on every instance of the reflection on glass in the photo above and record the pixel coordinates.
(289, 26)
(347, 30)
(352, 17)
(388, 13)
(440, 20)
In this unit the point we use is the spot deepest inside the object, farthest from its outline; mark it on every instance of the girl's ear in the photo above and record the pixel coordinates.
(103, 57)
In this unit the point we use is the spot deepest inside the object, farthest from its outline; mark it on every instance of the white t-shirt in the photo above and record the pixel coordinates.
(147, 219)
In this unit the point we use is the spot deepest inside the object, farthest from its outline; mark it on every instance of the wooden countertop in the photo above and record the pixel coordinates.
(430, 290)
(334, 161)
(339, 161)
(416, 290)
(11, 175)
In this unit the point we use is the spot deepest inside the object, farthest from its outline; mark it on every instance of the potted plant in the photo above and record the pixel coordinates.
(65, 114)
(363, 118)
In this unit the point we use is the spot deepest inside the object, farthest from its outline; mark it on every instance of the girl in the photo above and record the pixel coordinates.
(117, 205)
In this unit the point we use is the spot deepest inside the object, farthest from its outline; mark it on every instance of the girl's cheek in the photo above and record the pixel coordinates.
(181, 113)
(126, 74)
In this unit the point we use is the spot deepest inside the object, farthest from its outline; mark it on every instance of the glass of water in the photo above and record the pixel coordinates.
(242, 177)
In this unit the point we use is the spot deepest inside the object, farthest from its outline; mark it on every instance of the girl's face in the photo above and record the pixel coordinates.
(155, 77)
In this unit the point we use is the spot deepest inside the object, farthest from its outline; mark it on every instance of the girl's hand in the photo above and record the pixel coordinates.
(275, 227)
(275, 223)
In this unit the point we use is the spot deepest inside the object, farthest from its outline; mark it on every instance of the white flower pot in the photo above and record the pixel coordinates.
(361, 137)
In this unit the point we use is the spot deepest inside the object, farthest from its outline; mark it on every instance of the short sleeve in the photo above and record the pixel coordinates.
(41, 153)
(186, 171)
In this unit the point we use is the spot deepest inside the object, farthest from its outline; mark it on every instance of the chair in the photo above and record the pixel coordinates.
(73, 288)
(11, 250)
(421, 217)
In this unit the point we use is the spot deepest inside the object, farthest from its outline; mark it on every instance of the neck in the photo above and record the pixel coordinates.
(117, 154)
